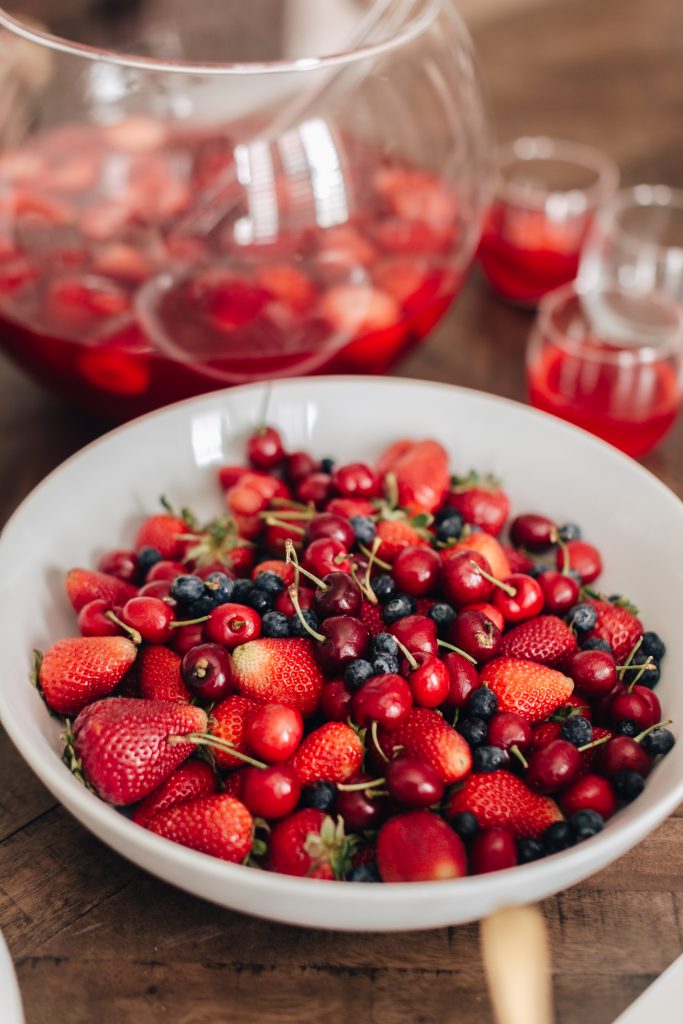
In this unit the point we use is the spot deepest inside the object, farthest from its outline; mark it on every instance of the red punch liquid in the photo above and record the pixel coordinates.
(89, 224)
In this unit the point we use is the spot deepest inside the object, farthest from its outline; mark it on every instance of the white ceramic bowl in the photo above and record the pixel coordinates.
(93, 501)
(10, 999)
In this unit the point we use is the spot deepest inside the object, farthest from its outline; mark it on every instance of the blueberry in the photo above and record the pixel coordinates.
(383, 587)
(242, 591)
(364, 873)
(187, 589)
(198, 609)
(385, 664)
(398, 607)
(219, 587)
(652, 646)
(482, 703)
(270, 582)
(626, 727)
(569, 531)
(596, 643)
(474, 731)
(326, 465)
(275, 624)
(528, 850)
(465, 825)
(450, 528)
(320, 795)
(535, 571)
(648, 677)
(586, 823)
(357, 673)
(296, 627)
(147, 557)
(659, 741)
(385, 643)
(628, 785)
(488, 759)
(261, 601)
(364, 529)
(577, 730)
(442, 614)
(558, 836)
(582, 617)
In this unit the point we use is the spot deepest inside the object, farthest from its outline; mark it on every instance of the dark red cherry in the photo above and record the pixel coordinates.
(93, 621)
(582, 558)
(326, 524)
(593, 672)
(346, 638)
(622, 753)
(207, 671)
(265, 449)
(358, 807)
(509, 730)
(417, 633)
(464, 679)
(639, 705)
(493, 849)
(315, 488)
(461, 581)
(342, 597)
(335, 701)
(186, 637)
(416, 570)
(299, 465)
(270, 793)
(120, 563)
(412, 783)
(553, 767)
(560, 592)
(535, 533)
(476, 634)
(590, 793)
(385, 699)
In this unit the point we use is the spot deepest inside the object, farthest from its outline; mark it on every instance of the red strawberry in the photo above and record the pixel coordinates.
(76, 671)
(232, 783)
(501, 800)
(371, 617)
(122, 747)
(348, 507)
(546, 639)
(481, 503)
(230, 721)
(526, 688)
(421, 471)
(518, 561)
(309, 843)
(487, 546)
(618, 626)
(279, 672)
(332, 753)
(419, 847)
(159, 675)
(86, 585)
(425, 734)
(192, 780)
(396, 534)
(285, 570)
(218, 825)
(163, 532)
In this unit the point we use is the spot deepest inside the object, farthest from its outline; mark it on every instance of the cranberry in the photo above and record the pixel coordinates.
(560, 592)
(553, 766)
(151, 617)
(489, 610)
(593, 672)
(186, 637)
(232, 625)
(342, 597)
(346, 638)
(461, 580)
(326, 524)
(622, 753)
(356, 480)
(416, 570)
(265, 449)
(326, 555)
(464, 679)
(165, 570)
(270, 792)
(525, 603)
(417, 633)
(412, 783)
(157, 588)
(315, 488)
(335, 701)
(590, 793)
(536, 533)
(494, 849)
(274, 732)
(582, 558)
(430, 682)
(476, 635)
(120, 563)
(385, 699)
(638, 704)
(545, 733)
(93, 621)
(509, 730)
(207, 671)
(357, 807)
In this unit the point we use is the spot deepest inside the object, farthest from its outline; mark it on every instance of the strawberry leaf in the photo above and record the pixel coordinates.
(421, 521)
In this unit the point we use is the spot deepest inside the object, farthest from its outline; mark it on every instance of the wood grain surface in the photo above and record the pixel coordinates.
(96, 939)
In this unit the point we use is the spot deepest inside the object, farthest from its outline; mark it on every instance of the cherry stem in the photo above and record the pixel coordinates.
(451, 647)
(366, 590)
(514, 749)
(556, 539)
(510, 591)
(643, 669)
(215, 743)
(376, 544)
(406, 654)
(292, 558)
(376, 743)
(294, 598)
(631, 656)
(659, 725)
(595, 743)
(134, 634)
(357, 787)
(373, 556)
(187, 622)
(391, 489)
(274, 521)
(298, 509)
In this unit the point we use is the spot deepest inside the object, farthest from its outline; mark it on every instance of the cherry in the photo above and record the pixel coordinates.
(274, 732)
(536, 533)
(560, 592)
(412, 783)
(150, 616)
(463, 679)
(622, 753)
(575, 700)
(554, 766)
(508, 730)
(207, 671)
(638, 704)
(120, 563)
(335, 701)
(357, 806)
(315, 488)
(232, 625)
(356, 480)
(590, 793)
(343, 596)
(93, 620)
(299, 465)
(345, 638)
(489, 610)
(204, 571)
(582, 558)
(385, 699)
(326, 555)
(277, 534)
(157, 588)
(475, 634)
(461, 580)
(593, 672)
(283, 602)
(165, 570)
(494, 849)
(416, 570)
(430, 681)
(524, 603)
(265, 449)
(186, 637)
(326, 524)
(417, 633)
(270, 793)
(545, 733)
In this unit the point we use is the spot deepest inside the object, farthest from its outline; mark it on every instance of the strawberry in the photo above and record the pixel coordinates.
(159, 674)
(348, 507)
(371, 617)
(518, 561)
(77, 671)
(164, 533)
(526, 688)
(218, 825)
(396, 534)
(285, 570)
(230, 721)
(332, 753)
(86, 585)
(421, 472)
(419, 847)
(309, 844)
(279, 672)
(480, 502)
(501, 800)
(192, 780)
(426, 735)
(487, 546)
(546, 639)
(618, 625)
(232, 783)
(121, 747)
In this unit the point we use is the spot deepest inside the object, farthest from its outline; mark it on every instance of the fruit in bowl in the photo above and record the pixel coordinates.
(201, 442)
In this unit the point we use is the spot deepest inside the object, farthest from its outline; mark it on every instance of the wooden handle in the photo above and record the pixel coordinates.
(516, 958)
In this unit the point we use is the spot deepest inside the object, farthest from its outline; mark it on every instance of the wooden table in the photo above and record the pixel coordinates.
(94, 938)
